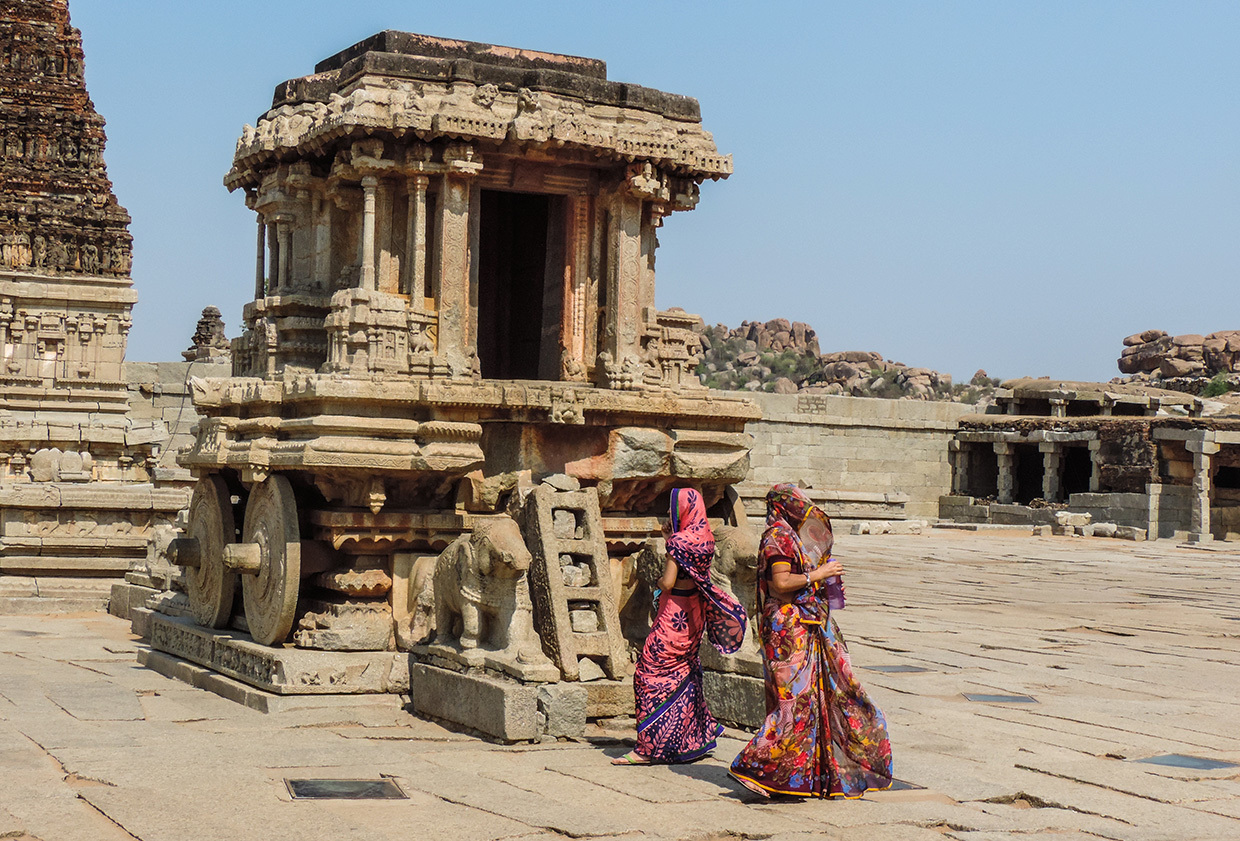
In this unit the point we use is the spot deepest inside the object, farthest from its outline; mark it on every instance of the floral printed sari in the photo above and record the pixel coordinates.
(822, 736)
(673, 723)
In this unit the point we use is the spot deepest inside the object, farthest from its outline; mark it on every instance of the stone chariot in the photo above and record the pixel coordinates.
(453, 375)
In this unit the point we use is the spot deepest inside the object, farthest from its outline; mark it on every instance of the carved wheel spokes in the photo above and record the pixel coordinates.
(210, 584)
(270, 595)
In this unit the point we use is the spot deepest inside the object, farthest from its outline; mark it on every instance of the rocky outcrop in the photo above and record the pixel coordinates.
(1185, 362)
(783, 357)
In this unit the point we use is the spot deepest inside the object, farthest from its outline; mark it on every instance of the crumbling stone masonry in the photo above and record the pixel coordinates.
(77, 503)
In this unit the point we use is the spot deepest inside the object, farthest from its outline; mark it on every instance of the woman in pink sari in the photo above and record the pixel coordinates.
(673, 723)
(822, 737)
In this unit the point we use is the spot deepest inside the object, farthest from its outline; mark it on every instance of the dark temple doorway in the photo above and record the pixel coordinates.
(520, 268)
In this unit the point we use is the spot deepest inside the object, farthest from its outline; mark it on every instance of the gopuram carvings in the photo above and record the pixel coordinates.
(454, 402)
(76, 500)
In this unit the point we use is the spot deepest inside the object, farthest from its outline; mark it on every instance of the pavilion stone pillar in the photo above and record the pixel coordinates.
(260, 263)
(456, 344)
(415, 239)
(577, 268)
(624, 279)
(1199, 523)
(321, 213)
(370, 187)
(1095, 461)
(1005, 454)
(959, 454)
(284, 238)
(273, 257)
(1052, 470)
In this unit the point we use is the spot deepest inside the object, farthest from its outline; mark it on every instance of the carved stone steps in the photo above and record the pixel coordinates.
(556, 605)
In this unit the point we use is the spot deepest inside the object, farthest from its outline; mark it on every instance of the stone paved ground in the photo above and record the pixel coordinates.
(1130, 650)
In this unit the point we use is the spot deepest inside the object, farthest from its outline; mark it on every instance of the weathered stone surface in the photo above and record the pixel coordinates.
(348, 626)
(284, 671)
(498, 708)
(609, 698)
(563, 705)
(588, 670)
(735, 699)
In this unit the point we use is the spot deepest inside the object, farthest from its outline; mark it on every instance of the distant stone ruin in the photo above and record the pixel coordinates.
(210, 343)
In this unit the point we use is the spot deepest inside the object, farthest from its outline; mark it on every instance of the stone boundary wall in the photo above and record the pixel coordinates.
(855, 446)
(160, 391)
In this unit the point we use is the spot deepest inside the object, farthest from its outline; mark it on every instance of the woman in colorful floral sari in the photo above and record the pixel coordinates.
(822, 736)
(673, 723)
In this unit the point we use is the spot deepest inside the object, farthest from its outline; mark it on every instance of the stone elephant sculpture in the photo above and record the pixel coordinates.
(482, 597)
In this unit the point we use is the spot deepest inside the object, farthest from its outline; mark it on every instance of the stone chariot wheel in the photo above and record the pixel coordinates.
(210, 584)
(270, 592)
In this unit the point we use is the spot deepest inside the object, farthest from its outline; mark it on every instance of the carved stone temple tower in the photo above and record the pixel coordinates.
(75, 505)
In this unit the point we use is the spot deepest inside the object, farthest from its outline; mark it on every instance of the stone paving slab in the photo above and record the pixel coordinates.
(1127, 649)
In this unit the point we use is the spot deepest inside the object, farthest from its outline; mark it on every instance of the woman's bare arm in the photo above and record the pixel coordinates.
(668, 579)
(785, 582)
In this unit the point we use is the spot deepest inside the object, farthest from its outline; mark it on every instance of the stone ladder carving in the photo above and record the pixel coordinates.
(570, 579)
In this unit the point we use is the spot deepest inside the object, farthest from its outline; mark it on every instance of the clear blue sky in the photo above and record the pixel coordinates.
(1013, 186)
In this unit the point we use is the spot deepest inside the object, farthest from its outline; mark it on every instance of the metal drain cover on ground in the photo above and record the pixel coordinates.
(897, 668)
(1001, 699)
(345, 790)
(1179, 760)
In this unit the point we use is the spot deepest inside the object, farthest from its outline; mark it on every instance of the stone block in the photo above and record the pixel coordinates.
(610, 698)
(1104, 529)
(125, 597)
(563, 706)
(1072, 518)
(140, 622)
(1130, 533)
(736, 700)
(502, 709)
(1041, 531)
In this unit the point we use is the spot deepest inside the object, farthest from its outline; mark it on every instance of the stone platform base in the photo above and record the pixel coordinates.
(281, 671)
(28, 595)
(342, 706)
(736, 700)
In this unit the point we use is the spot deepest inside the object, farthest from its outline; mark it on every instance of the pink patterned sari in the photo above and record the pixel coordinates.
(822, 736)
(673, 723)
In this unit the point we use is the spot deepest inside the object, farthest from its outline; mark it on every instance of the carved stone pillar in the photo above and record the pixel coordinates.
(624, 279)
(415, 241)
(1199, 522)
(273, 258)
(322, 214)
(370, 186)
(576, 272)
(1052, 470)
(260, 263)
(1005, 454)
(284, 235)
(1095, 460)
(454, 272)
